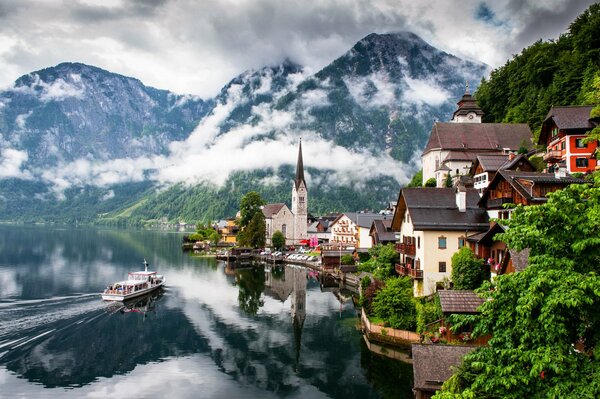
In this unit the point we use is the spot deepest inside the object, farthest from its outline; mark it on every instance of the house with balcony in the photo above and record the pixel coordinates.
(433, 224)
(352, 229)
(563, 134)
(521, 188)
(486, 166)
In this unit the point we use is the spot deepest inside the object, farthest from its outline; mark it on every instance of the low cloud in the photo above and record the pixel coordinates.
(419, 92)
(11, 164)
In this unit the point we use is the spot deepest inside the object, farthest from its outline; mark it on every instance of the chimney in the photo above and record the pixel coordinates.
(511, 156)
(461, 198)
(560, 173)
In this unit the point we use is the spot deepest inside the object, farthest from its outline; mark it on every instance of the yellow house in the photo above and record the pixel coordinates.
(228, 231)
(433, 224)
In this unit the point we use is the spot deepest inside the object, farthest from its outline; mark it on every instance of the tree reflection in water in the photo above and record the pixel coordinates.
(251, 284)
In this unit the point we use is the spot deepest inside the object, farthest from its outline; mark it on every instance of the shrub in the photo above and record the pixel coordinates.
(395, 303)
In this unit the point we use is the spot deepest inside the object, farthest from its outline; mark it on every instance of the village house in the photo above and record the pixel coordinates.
(486, 166)
(563, 134)
(453, 146)
(511, 187)
(352, 229)
(432, 224)
(228, 230)
(382, 233)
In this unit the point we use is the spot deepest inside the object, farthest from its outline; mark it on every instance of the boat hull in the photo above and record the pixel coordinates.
(123, 297)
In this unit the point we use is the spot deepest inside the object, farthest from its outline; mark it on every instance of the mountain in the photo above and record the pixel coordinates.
(73, 111)
(113, 149)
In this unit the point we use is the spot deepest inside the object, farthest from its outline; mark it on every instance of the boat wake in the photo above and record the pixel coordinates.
(27, 321)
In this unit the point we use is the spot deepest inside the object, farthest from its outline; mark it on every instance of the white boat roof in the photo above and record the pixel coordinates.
(144, 273)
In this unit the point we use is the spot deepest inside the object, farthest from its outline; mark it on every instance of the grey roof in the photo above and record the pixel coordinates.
(518, 161)
(492, 162)
(460, 156)
(435, 209)
(383, 229)
(271, 209)
(467, 104)
(456, 301)
(520, 259)
(480, 137)
(434, 364)
(575, 117)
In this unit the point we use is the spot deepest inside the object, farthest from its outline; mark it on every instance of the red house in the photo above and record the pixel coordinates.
(563, 133)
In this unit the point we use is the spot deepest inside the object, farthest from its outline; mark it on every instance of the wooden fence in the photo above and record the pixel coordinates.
(386, 334)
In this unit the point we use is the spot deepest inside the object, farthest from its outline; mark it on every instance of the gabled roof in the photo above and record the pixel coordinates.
(434, 364)
(520, 181)
(383, 229)
(487, 238)
(478, 137)
(459, 301)
(435, 209)
(520, 260)
(574, 117)
(491, 162)
(271, 209)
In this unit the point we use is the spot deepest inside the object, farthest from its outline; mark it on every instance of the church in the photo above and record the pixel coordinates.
(292, 223)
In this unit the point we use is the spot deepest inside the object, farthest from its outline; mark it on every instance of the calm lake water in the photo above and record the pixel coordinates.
(213, 333)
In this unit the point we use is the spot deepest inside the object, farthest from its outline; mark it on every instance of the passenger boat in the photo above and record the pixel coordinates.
(137, 283)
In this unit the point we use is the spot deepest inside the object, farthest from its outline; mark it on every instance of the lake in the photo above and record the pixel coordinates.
(214, 332)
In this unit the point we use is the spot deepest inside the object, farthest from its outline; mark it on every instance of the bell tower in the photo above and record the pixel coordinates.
(300, 201)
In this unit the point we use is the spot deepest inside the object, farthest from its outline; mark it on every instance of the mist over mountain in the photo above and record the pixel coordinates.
(80, 143)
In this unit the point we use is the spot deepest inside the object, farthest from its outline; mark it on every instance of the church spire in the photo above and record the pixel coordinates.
(299, 168)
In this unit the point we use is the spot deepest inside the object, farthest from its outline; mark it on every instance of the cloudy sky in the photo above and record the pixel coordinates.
(196, 47)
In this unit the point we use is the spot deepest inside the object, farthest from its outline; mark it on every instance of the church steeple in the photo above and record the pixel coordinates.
(468, 110)
(299, 168)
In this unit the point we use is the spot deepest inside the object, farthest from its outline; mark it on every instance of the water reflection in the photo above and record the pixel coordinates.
(216, 331)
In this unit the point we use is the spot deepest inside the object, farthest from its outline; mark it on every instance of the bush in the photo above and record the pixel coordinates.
(395, 303)
(430, 182)
(428, 311)
(468, 271)
(347, 260)
(368, 295)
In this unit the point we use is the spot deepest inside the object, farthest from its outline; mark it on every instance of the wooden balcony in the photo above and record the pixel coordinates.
(552, 156)
(403, 270)
(406, 249)
(498, 202)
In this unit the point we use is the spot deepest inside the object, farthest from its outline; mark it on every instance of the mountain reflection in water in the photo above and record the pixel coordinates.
(263, 331)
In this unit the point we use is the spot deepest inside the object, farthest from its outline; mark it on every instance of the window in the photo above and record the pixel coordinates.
(461, 242)
(442, 242)
(283, 229)
(580, 144)
(581, 162)
(563, 145)
(301, 199)
(442, 267)
(418, 242)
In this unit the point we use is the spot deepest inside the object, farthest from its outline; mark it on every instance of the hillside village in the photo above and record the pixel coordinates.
(474, 174)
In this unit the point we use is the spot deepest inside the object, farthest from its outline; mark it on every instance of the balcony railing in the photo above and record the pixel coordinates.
(498, 202)
(406, 249)
(552, 156)
(404, 270)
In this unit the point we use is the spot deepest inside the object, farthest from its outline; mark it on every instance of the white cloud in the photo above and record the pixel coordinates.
(375, 90)
(11, 164)
(424, 92)
(196, 47)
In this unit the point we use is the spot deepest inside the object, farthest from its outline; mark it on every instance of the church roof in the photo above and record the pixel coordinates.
(299, 169)
(477, 137)
(271, 209)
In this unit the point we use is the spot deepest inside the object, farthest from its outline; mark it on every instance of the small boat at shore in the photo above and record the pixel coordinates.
(137, 283)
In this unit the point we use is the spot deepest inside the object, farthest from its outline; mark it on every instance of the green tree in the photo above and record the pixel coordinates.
(545, 320)
(253, 234)
(382, 261)
(347, 259)
(448, 181)
(468, 271)
(250, 205)
(251, 284)
(417, 180)
(430, 182)
(395, 303)
(278, 240)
